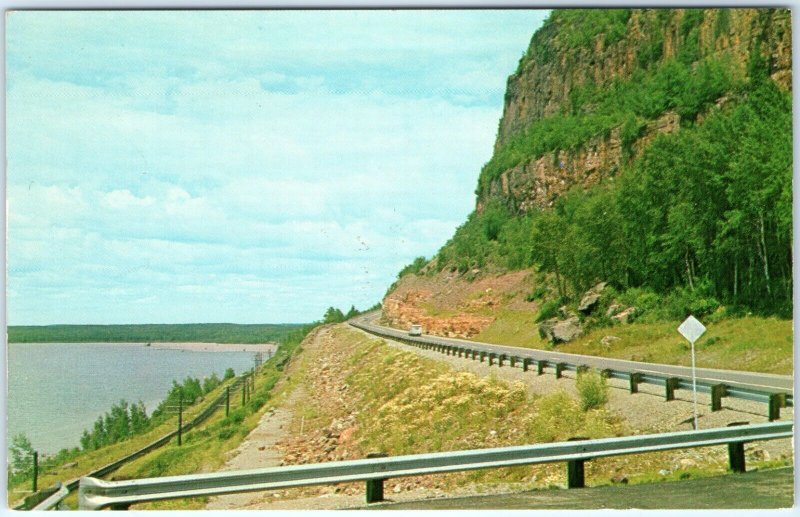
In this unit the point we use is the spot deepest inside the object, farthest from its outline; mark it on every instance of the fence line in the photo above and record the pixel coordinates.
(68, 487)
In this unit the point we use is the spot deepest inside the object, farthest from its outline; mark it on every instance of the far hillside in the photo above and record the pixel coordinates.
(189, 332)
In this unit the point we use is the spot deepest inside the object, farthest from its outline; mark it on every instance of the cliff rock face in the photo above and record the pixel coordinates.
(555, 65)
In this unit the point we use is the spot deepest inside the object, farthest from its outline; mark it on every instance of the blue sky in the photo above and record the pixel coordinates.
(241, 166)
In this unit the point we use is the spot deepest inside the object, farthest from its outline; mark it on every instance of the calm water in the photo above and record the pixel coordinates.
(55, 390)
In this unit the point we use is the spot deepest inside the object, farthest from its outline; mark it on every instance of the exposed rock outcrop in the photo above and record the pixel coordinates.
(554, 67)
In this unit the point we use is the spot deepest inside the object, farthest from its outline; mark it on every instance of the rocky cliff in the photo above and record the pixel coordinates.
(577, 50)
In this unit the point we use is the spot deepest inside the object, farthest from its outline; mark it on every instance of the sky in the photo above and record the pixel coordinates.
(241, 166)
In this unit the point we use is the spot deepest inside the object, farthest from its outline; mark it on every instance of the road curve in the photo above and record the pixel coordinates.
(733, 378)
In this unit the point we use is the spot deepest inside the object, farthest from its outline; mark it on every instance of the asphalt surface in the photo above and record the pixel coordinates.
(762, 381)
(765, 489)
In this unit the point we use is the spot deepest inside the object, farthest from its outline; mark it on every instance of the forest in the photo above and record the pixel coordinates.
(703, 215)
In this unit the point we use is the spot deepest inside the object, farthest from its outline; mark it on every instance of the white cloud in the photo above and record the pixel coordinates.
(236, 166)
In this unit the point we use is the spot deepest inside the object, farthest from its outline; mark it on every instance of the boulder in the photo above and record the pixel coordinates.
(567, 330)
(608, 340)
(546, 328)
(588, 302)
(613, 309)
(625, 316)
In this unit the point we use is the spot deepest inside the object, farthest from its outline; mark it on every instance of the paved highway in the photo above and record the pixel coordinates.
(762, 381)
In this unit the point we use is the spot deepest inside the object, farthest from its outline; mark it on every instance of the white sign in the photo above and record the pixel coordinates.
(691, 329)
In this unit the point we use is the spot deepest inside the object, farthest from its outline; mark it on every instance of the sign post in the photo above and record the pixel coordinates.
(692, 329)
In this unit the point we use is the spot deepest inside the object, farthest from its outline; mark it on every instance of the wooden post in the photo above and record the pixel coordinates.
(180, 419)
(669, 388)
(474, 354)
(227, 400)
(736, 452)
(560, 368)
(525, 363)
(512, 361)
(483, 355)
(605, 373)
(582, 369)
(540, 367)
(636, 378)
(717, 392)
(375, 486)
(500, 360)
(774, 406)
(491, 357)
(35, 471)
(244, 387)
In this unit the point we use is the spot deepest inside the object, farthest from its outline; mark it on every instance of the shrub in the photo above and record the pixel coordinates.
(548, 310)
(536, 293)
(593, 390)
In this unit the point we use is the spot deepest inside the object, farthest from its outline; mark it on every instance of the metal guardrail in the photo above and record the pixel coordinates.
(96, 494)
(524, 359)
(51, 502)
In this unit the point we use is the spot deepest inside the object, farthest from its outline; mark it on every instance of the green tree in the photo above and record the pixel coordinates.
(333, 315)
(21, 455)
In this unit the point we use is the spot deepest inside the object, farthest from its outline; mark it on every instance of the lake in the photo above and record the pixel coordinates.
(56, 390)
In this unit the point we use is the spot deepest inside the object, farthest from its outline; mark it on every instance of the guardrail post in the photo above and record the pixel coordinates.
(540, 367)
(736, 452)
(483, 355)
(180, 419)
(560, 368)
(512, 361)
(35, 471)
(575, 471)
(525, 363)
(717, 392)
(491, 358)
(474, 354)
(669, 388)
(500, 360)
(774, 406)
(582, 369)
(375, 486)
(605, 373)
(227, 400)
(636, 378)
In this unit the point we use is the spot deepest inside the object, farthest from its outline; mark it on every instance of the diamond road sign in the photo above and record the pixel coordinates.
(691, 329)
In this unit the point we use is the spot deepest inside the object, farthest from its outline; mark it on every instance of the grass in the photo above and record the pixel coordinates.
(516, 328)
(750, 343)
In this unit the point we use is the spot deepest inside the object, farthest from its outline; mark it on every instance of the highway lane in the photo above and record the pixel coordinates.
(762, 381)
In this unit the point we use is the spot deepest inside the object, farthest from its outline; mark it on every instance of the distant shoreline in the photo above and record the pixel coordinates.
(188, 346)
(217, 347)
